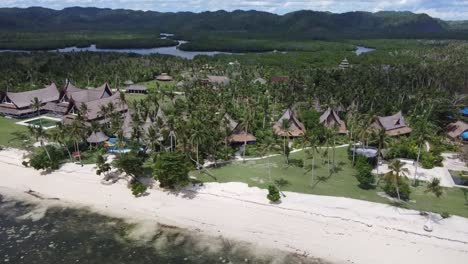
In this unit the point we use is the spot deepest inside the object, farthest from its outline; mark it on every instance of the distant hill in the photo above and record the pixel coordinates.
(300, 24)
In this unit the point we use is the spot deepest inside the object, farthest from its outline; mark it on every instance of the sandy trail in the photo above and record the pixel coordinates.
(336, 229)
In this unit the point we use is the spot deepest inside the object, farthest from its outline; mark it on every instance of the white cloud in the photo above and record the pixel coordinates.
(446, 9)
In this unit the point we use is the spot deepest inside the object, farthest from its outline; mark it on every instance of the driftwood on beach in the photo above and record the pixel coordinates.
(37, 195)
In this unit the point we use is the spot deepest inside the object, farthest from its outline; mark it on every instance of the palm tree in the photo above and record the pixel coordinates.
(382, 142)
(76, 131)
(40, 134)
(424, 130)
(286, 134)
(36, 105)
(397, 171)
(198, 137)
(312, 142)
(60, 135)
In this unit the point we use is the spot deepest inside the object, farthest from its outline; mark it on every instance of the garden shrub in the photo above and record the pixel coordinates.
(296, 162)
(273, 193)
(138, 188)
(404, 189)
(364, 173)
(445, 215)
(40, 160)
(431, 160)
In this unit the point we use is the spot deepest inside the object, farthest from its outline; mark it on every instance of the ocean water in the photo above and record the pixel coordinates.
(36, 234)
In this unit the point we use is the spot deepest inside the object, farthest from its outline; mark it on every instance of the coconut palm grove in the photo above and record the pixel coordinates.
(361, 114)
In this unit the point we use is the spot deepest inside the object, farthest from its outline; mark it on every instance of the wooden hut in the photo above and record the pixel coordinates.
(394, 125)
(164, 77)
(330, 119)
(137, 89)
(295, 127)
(239, 134)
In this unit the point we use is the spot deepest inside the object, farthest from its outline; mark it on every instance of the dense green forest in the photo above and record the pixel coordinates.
(41, 28)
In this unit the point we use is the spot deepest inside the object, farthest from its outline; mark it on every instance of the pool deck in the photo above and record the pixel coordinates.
(27, 121)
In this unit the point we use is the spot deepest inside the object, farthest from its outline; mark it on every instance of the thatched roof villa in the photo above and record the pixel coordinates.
(295, 127)
(394, 125)
(330, 119)
(238, 134)
(94, 108)
(19, 104)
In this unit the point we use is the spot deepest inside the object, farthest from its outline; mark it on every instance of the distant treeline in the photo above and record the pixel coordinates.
(234, 31)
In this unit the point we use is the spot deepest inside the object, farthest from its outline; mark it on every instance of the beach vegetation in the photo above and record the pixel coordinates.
(171, 169)
(364, 173)
(273, 194)
(138, 188)
(47, 160)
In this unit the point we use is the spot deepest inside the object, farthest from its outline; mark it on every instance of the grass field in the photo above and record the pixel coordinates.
(343, 183)
(7, 128)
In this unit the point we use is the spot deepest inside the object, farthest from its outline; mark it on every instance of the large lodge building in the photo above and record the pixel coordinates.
(62, 102)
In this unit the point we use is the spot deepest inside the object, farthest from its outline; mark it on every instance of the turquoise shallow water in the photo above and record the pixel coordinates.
(30, 234)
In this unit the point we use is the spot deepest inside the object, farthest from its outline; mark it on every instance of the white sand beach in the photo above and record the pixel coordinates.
(339, 230)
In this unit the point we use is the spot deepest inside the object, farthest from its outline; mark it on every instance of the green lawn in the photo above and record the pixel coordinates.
(343, 183)
(163, 86)
(7, 130)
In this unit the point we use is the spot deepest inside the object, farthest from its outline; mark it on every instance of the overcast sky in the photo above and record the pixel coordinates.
(445, 9)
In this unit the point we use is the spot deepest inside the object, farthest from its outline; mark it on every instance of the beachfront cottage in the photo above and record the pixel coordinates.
(164, 77)
(457, 130)
(238, 134)
(18, 105)
(136, 89)
(394, 125)
(331, 120)
(294, 128)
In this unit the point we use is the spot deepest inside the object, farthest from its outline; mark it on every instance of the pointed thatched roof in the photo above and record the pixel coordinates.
(238, 134)
(330, 119)
(87, 95)
(295, 127)
(395, 125)
(97, 137)
(231, 123)
(23, 99)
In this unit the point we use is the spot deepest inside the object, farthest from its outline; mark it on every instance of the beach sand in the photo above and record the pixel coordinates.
(339, 230)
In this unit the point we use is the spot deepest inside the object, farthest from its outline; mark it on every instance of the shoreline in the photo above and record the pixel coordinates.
(335, 229)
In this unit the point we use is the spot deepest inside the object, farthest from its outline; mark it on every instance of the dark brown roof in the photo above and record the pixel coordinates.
(136, 88)
(296, 128)
(394, 125)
